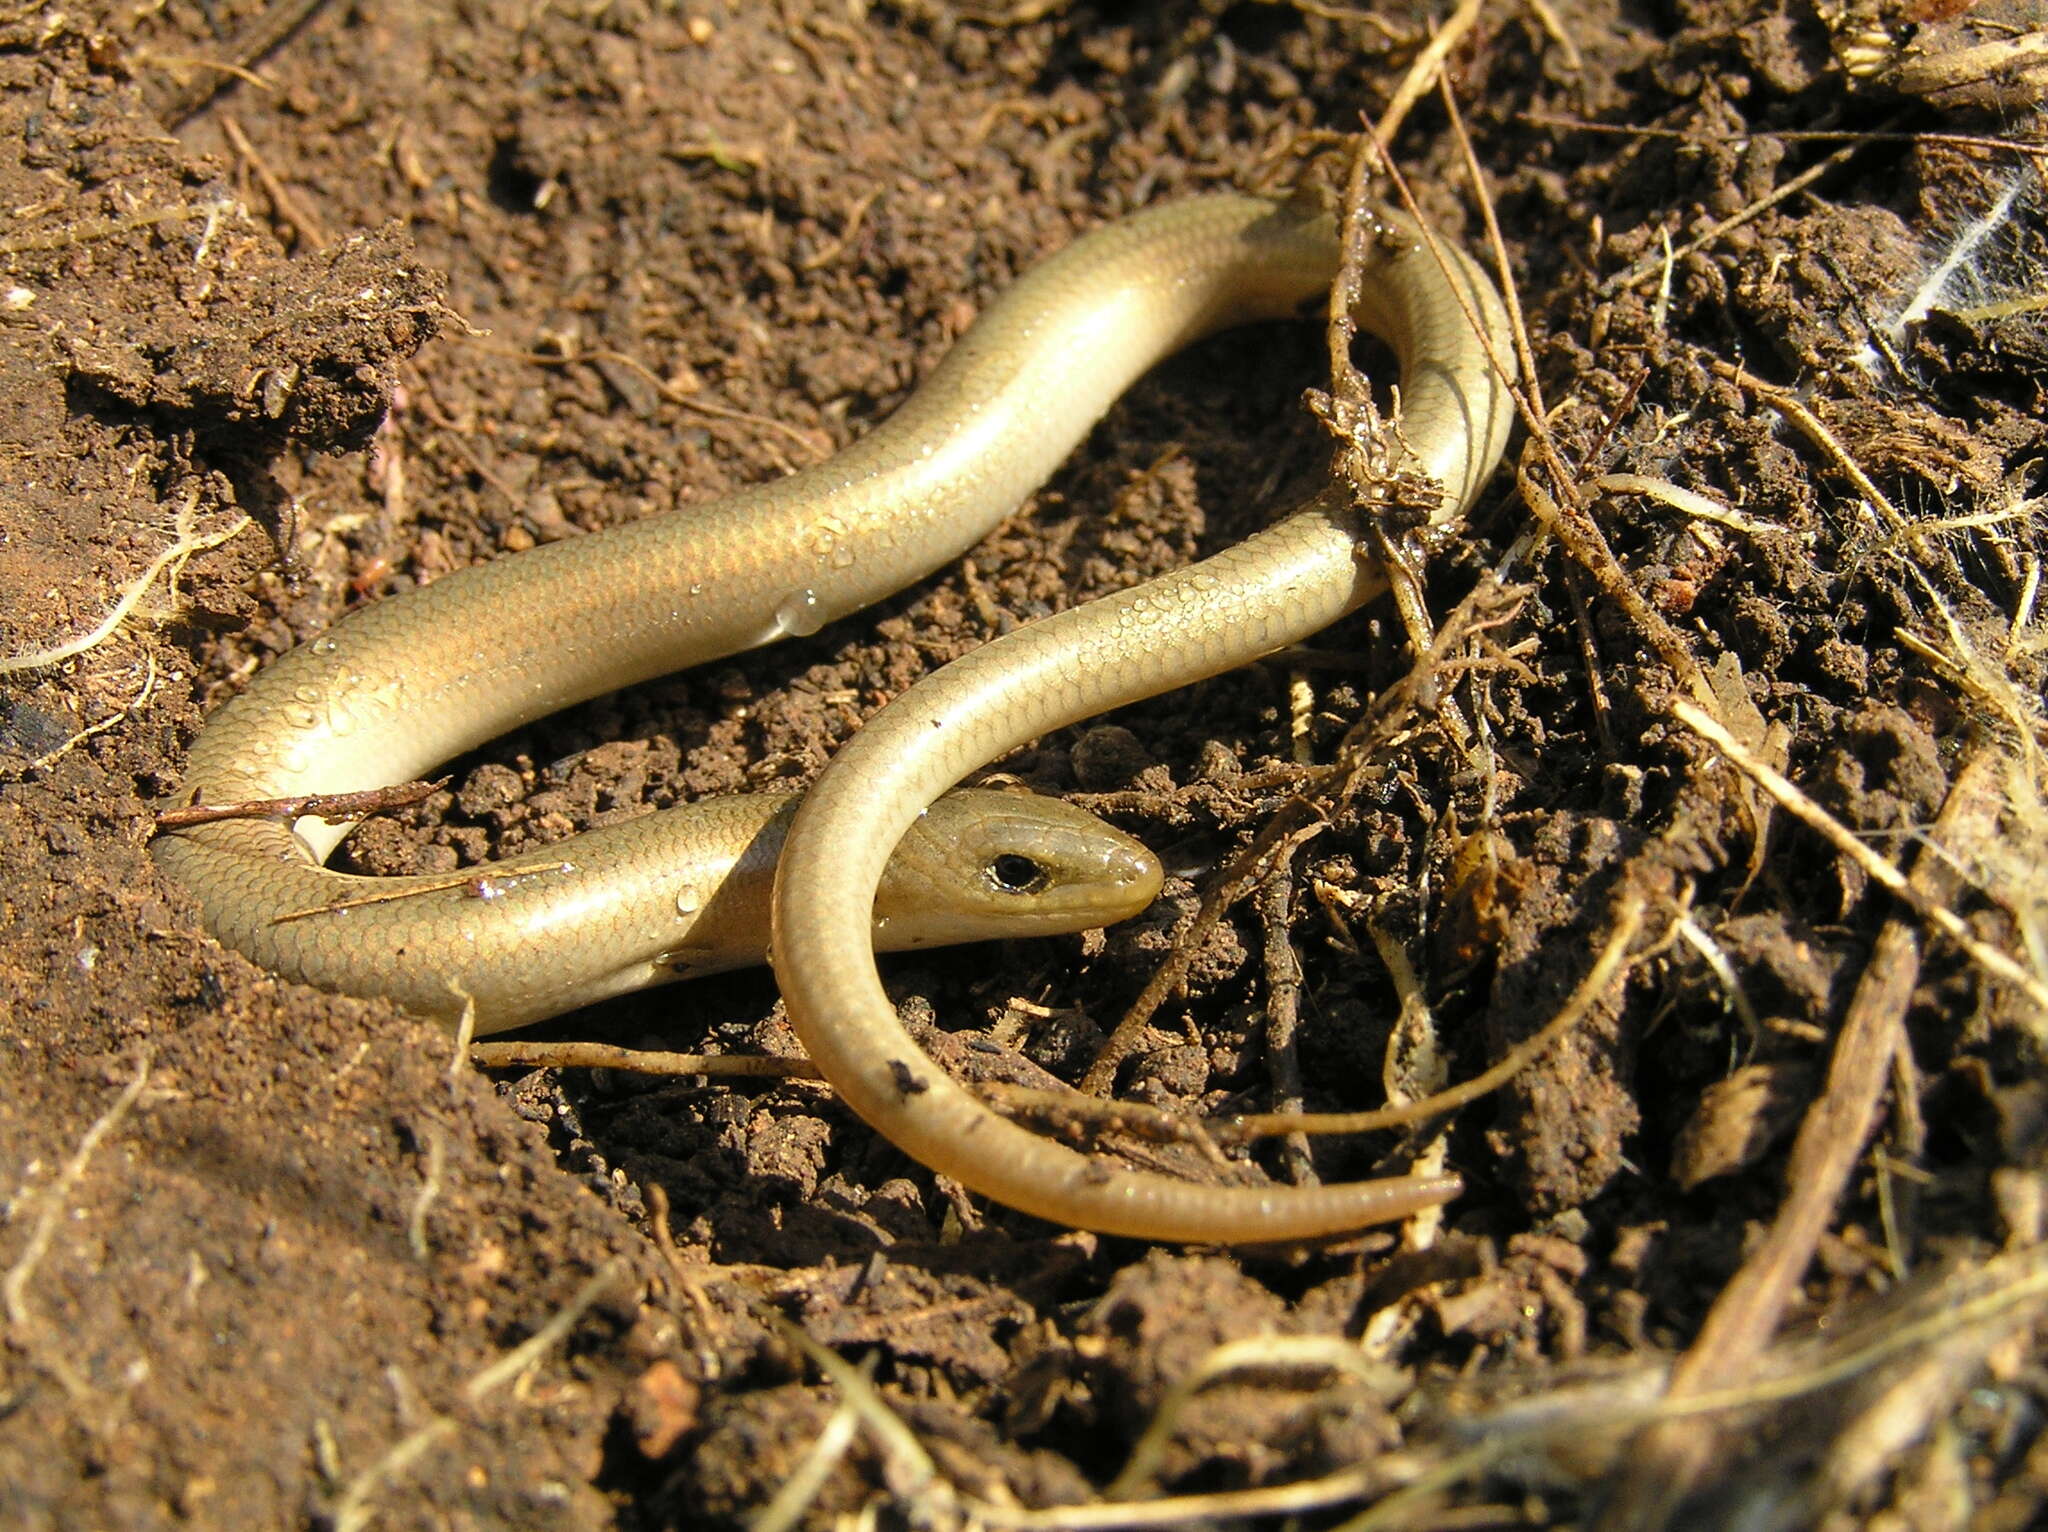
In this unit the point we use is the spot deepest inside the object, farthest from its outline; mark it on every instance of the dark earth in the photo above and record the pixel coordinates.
(300, 309)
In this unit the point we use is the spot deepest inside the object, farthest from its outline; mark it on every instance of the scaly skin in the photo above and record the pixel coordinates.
(405, 684)
(1273, 589)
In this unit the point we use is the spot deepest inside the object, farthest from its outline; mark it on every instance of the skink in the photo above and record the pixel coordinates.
(405, 684)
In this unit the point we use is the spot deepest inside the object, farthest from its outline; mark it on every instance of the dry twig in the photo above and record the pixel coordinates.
(335, 808)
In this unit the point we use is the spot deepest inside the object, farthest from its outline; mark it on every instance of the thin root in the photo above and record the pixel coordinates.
(172, 558)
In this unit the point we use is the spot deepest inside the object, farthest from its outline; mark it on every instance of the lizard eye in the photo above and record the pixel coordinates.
(1014, 874)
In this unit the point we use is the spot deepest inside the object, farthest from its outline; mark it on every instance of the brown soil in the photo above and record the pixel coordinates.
(432, 285)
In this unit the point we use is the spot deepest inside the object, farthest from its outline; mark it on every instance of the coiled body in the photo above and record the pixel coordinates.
(1440, 314)
(403, 685)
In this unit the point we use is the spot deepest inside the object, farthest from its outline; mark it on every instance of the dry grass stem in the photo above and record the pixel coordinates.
(910, 1471)
(793, 1496)
(1721, 226)
(335, 808)
(354, 1511)
(1581, 538)
(1359, 1482)
(1283, 981)
(1612, 961)
(1688, 502)
(268, 28)
(815, 447)
(1426, 70)
(644, 1061)
(1885, 874)
(311, 232)
(429, 1193)
(1831, 1140)
(476, 881)
(1296, 822)
(1137, 1118)
(1264, 1354)
(35, 1341)
(1810, 425)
